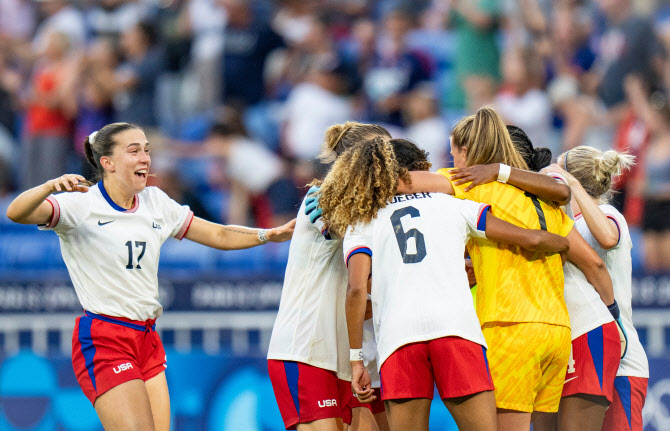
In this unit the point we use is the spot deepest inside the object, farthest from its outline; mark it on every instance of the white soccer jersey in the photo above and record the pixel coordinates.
(112, 253)
(585, 308)
(420, 289)
(619, 264)
(587, 311)
(311, 325)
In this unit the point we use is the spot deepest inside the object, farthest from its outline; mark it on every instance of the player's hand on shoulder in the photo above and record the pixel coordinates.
(312, 209)
(477, 175)
(556, 169)
(68, 183)
(281, 233)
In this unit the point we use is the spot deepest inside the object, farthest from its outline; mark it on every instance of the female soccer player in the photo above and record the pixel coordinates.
(519, 296)
(425, 324)
(596, 347)
(596, 343)
(589, 175)
(308, 358)
(110, 235)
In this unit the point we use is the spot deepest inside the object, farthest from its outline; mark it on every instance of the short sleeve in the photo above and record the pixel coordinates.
(558, 177)
(474, 214)
(459, 191)
(68, 210)
(615, 218)
(356, 240)
(177, 217)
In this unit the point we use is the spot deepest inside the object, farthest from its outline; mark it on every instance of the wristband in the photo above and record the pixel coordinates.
(355, 355)
(503, 173)
(261, 235)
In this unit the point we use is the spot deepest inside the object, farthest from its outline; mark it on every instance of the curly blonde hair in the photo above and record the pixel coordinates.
(364, 179)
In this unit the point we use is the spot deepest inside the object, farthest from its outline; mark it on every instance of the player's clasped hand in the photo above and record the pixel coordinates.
(312, 204)
(477, 175)
(361, 385)
(68, 183)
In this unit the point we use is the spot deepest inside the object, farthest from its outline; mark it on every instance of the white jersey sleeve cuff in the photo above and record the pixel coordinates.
(184, 227)
(558, 177)
(481, 217)
(356, 250)
(55, 213)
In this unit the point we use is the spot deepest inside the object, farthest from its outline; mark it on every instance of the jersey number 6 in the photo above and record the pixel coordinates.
(129, 244)
(402, 237)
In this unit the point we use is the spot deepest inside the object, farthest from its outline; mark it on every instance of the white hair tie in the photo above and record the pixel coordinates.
(92, 136)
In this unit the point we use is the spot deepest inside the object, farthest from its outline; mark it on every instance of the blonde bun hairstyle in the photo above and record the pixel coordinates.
(594, 169)
(341, 137)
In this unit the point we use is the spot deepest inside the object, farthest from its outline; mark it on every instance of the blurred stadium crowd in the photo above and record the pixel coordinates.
(236, 94)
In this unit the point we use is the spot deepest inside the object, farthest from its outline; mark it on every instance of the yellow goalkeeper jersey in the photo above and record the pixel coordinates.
(515, 285)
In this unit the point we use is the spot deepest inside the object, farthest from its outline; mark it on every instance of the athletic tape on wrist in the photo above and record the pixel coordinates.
(503, 173)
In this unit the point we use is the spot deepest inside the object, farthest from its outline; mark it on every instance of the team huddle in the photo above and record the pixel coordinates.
(377, 310)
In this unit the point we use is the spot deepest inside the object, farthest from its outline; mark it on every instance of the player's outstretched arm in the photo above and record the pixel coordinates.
(593, 267)
(236, 237)
(534, 240)
(540, 185)
(31, 207)
(424, 182)
(355, 305)
(604, 229)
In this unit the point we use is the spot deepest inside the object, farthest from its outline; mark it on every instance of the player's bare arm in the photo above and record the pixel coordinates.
(355, 306)
(604, 229)
(423, 181)
(540, 185)
(236, 237)
(593, 267)
(31, 207)
(534, 240)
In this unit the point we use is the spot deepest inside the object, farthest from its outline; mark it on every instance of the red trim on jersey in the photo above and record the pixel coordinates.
(136, 205)
(184, 227)
(558, 177)
(55, 212)
(578, 216)
(481, 223)
(356, 250)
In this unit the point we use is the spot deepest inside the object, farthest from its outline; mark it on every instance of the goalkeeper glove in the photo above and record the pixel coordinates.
(312, 209)
(616, 313)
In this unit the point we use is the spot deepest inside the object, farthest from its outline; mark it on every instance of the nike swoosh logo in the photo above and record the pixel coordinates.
(107, 222)
(573, 378)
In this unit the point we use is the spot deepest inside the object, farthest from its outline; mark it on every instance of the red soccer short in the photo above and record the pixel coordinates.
(306, 393)
(593, 363)
(377, 406)
(625, 413)
(108, 351)
(457, 367)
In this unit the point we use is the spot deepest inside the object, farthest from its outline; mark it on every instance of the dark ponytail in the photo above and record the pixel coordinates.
(90, 157)
(535, 158)
(101, 144)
